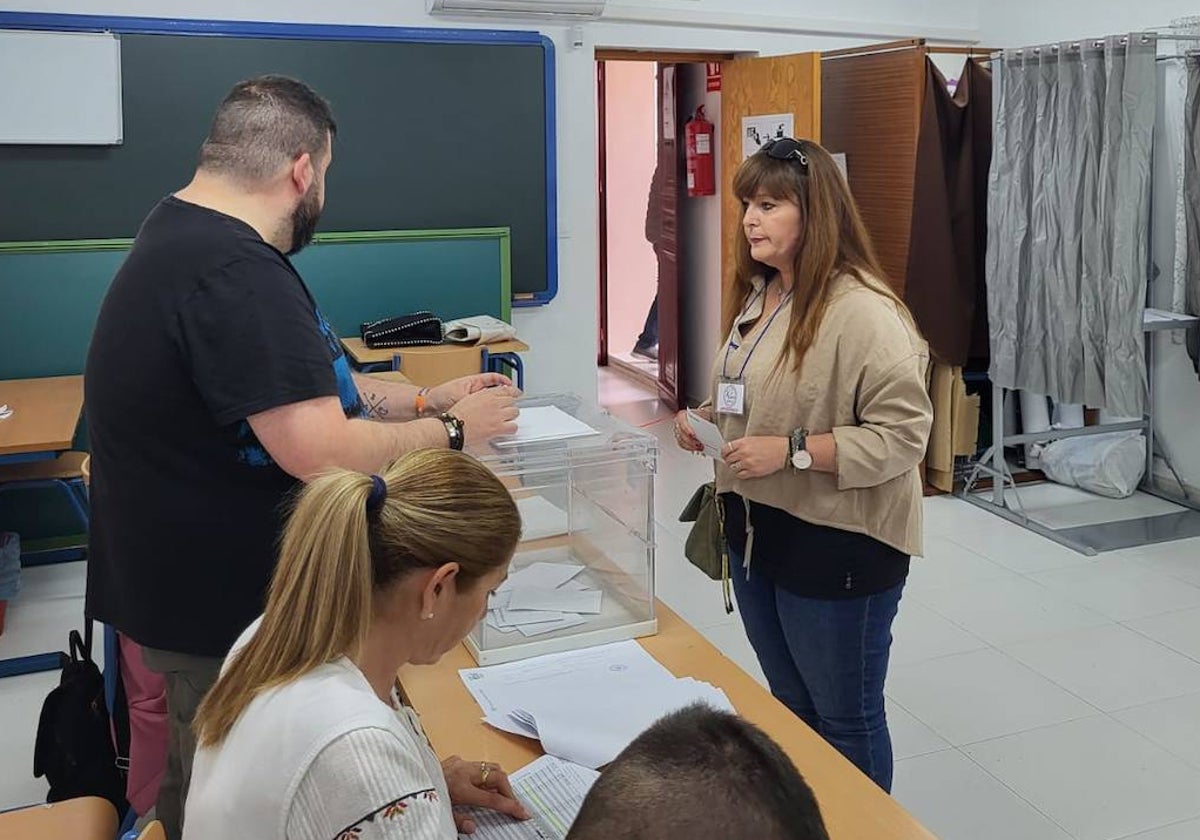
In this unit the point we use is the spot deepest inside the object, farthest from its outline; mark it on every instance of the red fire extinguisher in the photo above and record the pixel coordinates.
(698, 150)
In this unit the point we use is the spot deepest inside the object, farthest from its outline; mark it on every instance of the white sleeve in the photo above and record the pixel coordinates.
(367, 786)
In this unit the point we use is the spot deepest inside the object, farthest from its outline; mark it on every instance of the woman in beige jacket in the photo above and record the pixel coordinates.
(819, 391)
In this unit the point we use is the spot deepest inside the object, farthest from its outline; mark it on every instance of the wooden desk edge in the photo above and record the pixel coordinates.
(61, 391)
(852, 805)
(362, 354)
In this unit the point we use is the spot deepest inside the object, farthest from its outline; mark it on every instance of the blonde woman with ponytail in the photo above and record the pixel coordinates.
(819, 391)
(305, 736)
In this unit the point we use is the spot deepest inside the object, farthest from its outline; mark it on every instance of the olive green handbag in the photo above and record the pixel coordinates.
(706, 548)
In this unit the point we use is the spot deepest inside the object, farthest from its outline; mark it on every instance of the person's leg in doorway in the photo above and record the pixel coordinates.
(188, 679)
(647, 342)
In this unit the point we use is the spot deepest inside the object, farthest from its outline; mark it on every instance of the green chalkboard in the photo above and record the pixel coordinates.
(50, 292)
(448, 134)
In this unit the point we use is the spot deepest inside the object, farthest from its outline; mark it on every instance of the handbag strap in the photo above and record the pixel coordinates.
(726, 579)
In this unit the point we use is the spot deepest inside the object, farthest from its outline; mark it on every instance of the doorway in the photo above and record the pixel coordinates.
(630, 225)
(641, 126)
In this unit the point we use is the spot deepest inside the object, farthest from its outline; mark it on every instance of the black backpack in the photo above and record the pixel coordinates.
(74, 748)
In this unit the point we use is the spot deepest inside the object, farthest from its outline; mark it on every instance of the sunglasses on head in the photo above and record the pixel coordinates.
(785, 148)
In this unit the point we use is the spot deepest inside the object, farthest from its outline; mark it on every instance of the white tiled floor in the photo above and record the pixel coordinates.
(1034, 693)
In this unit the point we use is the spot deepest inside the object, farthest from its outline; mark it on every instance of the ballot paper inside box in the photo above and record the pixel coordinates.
(584, 573)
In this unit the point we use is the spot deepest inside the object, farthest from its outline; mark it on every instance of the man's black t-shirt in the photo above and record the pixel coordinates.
(204, 325)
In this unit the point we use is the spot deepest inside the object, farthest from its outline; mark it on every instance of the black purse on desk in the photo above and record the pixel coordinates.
(706, 548)
(415, 330)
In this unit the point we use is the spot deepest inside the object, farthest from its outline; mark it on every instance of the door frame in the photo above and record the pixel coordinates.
(602, 209)
(600, 56)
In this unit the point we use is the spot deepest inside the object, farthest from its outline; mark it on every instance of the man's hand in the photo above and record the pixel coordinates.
(449, 394)
(487, 414)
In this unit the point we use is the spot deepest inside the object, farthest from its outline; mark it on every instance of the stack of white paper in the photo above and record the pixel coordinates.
(551, 789)
(545, 423)
(585, 706)
(542, 598)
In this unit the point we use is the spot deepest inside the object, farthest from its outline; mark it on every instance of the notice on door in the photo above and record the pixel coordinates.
(758, 130)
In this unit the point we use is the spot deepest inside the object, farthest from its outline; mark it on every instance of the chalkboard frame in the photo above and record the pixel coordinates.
(341, 32)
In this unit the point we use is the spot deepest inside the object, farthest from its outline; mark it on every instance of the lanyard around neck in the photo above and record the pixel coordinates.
(729, 345)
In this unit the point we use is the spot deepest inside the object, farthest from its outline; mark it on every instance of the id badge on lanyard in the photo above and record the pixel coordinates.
(731, 396)
(731, 390)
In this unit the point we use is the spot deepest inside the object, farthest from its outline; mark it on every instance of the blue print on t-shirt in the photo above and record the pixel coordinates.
(252, 453)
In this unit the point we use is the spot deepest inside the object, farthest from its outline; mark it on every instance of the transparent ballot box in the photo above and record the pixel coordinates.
(583, 574)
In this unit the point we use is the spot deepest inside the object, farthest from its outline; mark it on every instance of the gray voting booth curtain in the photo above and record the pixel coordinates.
(1068, 220)
(1191, 203)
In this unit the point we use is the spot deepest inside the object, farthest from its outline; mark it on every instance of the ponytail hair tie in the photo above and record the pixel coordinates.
(378, 494)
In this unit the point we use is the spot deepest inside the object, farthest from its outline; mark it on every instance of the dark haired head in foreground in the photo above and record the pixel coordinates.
(700, 774)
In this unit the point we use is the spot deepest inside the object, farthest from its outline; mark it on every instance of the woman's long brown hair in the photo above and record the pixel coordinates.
(833, 241)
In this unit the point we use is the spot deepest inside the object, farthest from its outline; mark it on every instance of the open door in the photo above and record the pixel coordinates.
(757, 87)
(602, 216)
(665, 190)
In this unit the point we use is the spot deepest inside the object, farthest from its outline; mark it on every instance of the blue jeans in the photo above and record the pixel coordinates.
(826, 661)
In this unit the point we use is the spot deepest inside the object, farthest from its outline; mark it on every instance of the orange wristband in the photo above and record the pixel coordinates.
(421, 403)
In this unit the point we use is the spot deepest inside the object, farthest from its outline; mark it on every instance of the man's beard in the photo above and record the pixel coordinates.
(304, 220)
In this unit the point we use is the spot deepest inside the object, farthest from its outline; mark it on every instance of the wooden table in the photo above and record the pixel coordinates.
(41, 427)
(86, 818)
(853, 806)
(434, 364)
(45, 414)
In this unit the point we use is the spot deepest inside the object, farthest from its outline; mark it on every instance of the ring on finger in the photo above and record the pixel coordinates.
(484, 770)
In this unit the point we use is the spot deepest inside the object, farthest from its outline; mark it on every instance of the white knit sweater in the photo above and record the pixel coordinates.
(321, 758)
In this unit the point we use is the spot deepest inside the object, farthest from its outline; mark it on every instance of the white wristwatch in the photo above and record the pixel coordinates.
(798, 452)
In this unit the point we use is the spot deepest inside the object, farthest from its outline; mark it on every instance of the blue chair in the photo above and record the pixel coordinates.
(64, 473)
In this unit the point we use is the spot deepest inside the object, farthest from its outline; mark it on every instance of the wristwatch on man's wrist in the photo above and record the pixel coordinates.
(454, 431)
(800, 457)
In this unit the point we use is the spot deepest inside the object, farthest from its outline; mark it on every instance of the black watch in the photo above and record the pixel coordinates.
(454, 430)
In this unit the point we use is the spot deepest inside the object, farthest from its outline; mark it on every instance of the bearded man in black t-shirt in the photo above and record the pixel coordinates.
(214, 385)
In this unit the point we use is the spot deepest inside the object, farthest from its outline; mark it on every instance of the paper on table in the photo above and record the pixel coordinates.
(552, 789)
(579, 601)
(616, 670)
(499, 600)
(543, 424)
(541, 519)
(591, 727)
(707, 433)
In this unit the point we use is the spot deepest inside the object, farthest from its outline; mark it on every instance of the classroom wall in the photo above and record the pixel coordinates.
(1016, 23)
(563, 355)
(1023, 22)
(630, 111)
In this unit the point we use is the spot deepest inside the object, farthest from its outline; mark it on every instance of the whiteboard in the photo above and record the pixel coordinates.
(61, 88)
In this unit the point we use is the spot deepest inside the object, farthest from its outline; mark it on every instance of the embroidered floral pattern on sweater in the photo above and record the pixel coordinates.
(391, 811)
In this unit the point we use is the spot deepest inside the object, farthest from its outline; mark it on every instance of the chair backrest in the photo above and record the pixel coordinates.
(153, 831)
(85, 470)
